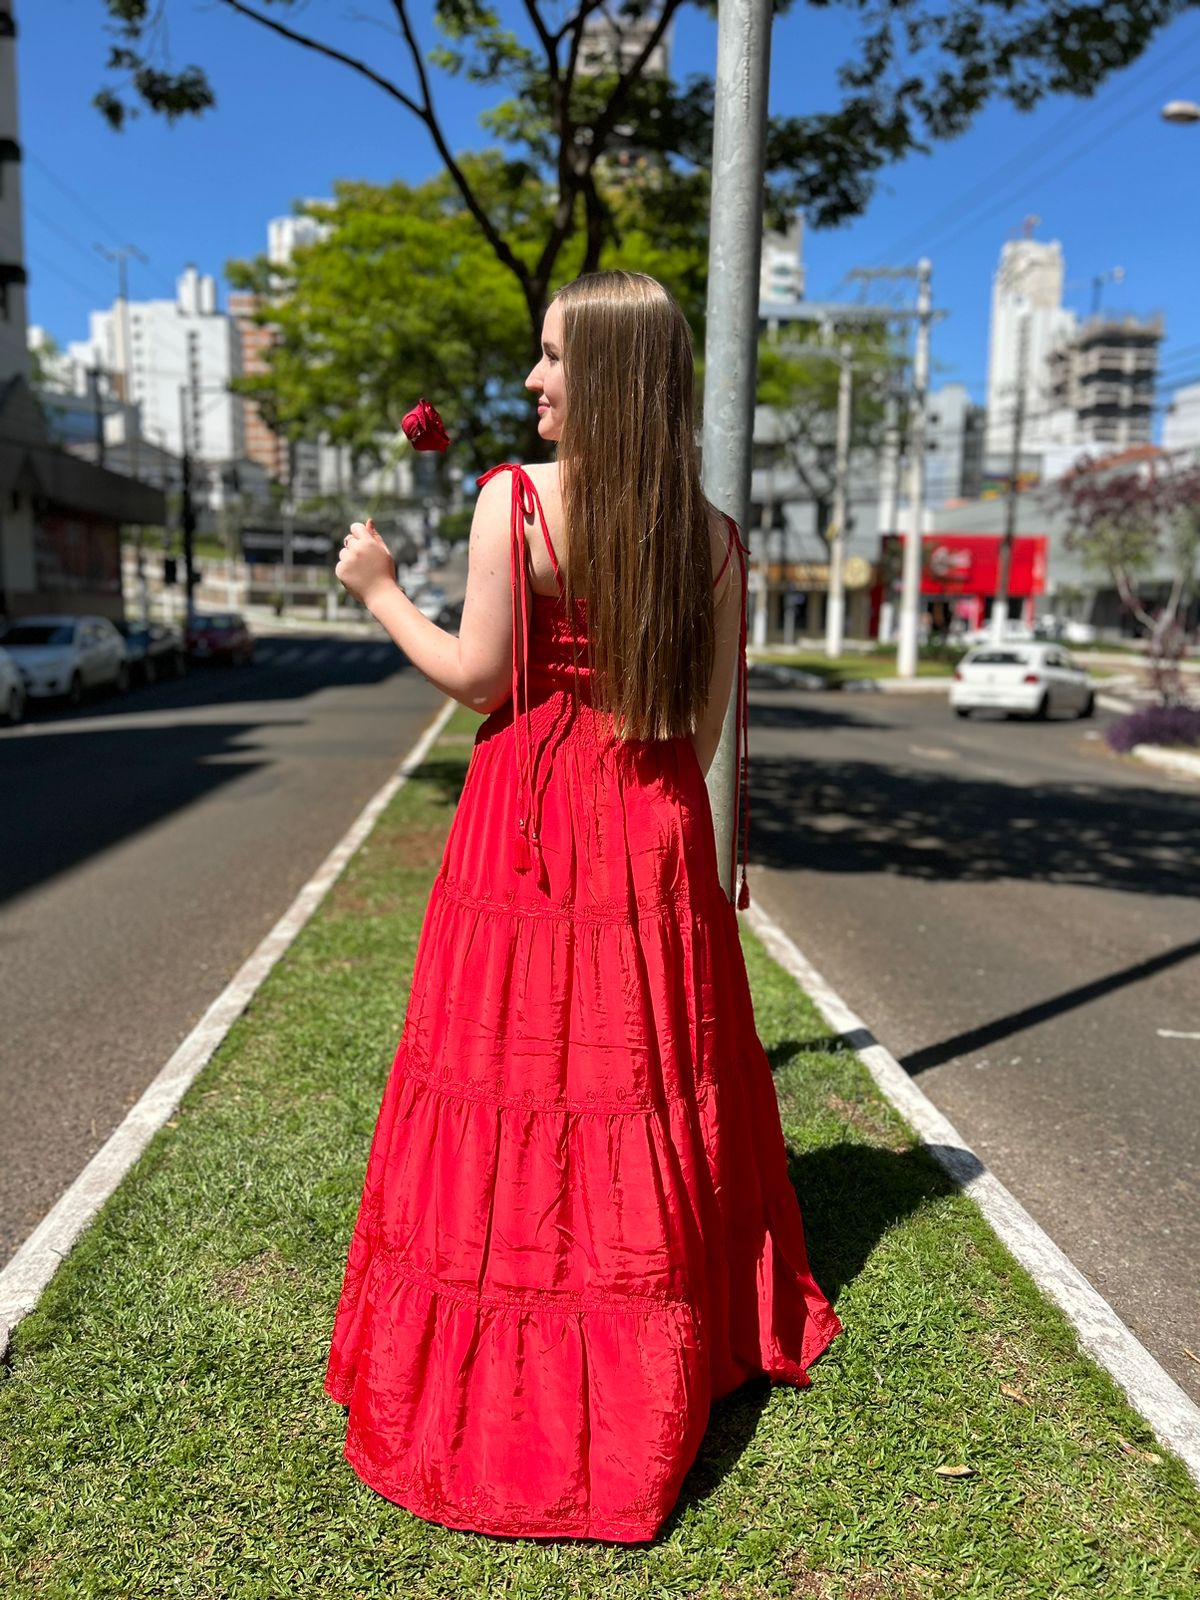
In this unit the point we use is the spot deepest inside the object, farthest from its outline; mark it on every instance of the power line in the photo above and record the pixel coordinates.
(88, 210)
(1019, 163)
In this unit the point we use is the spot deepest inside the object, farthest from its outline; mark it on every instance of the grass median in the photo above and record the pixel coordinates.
(165, 1432)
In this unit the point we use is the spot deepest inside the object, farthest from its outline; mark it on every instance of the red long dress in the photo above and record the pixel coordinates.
(577, 1228)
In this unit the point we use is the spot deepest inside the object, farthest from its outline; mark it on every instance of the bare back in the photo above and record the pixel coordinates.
(542, 581)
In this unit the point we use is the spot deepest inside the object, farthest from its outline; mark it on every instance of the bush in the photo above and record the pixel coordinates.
(1165, 725)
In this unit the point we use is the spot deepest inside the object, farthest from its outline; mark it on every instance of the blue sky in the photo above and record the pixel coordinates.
(1110, 179)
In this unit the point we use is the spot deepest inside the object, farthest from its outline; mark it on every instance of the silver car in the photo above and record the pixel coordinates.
(1032, 680)
(62, 656)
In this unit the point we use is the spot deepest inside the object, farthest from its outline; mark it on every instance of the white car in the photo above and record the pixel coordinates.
(1031, 679)
(12, 689)
(66, 656)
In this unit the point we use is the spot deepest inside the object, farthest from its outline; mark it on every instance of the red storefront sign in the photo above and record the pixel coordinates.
(968, 563)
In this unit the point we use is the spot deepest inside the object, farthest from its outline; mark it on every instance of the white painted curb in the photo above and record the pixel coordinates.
(1172, 1414)
(1170, 760)
(35, 1263)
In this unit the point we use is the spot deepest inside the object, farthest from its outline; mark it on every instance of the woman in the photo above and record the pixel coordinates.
(576, 1228)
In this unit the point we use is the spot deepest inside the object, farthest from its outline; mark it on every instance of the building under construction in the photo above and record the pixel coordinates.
(1100, 381)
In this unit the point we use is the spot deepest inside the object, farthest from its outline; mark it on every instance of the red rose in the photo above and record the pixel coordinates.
(425, 428)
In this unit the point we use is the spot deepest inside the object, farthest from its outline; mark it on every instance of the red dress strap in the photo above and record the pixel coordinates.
(524, 500)
(742, 729)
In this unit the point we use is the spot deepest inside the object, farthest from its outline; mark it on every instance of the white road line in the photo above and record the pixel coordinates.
(1172, 1414)
(37, 1260)
(1169, 1033)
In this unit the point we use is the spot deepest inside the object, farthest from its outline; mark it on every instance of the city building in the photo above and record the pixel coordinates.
(1100, 380)
(954, 439)
(1084, 385)
(1181, 427)
(263, 445)
(781, 275)
(60, 518)
(1028, 321)
(182, 354)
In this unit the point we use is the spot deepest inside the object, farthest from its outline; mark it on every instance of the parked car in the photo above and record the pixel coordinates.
(220, 636)
(450, 616)
(12, 689)
(155, 651)
(1064, 629)
(429, 600)
(1033, 679)
(61, 656)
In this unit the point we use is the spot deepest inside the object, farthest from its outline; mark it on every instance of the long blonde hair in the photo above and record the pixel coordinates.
(635, 517)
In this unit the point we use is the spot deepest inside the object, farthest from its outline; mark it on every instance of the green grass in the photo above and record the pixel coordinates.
(857, 664)
(165, 1432)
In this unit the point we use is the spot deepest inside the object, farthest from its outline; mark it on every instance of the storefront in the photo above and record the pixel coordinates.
(959, 576)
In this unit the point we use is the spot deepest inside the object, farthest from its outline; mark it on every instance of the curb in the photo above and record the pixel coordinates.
(36, 1261)
(1171, 1412)
(1181, 761)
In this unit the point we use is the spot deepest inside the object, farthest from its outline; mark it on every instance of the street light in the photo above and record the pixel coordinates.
(1181, 111)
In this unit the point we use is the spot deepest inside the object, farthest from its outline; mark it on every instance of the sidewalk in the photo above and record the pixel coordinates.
(166, 1432)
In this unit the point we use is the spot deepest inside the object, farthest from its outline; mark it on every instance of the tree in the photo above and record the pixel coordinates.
(801, 388)
(1126, 521)
(921, 72)
(403, 294)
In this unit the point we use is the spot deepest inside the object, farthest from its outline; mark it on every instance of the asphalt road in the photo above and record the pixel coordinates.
(148, 845)
(1014, 912)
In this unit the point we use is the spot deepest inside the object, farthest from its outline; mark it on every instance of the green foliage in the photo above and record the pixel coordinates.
(404, 297)
(801, 385)
(920, 71)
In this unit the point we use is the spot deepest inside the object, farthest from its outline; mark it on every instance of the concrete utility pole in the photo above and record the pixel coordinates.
(187, 515)
(999, 619)
(131, 427)
(835, 616)
(910, 591)
(731, 346)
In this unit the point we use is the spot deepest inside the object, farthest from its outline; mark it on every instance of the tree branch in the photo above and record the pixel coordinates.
(326, 50)
(549, 42)
(428, 116)
(606, 121)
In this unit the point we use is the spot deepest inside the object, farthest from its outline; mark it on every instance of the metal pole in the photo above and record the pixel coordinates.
(1000, 602)
(731, 342)
(910, 594)
(835, 616)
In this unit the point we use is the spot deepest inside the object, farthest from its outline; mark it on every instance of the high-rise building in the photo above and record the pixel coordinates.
(1028, 321)
(263, 445)
(1099, 383)
(781, 274)
(182, 354)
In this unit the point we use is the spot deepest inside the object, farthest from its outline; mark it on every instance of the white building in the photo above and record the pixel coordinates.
(182, 355)
(285, 235)
(781, 275)
(1026, 307)
(1181, 429)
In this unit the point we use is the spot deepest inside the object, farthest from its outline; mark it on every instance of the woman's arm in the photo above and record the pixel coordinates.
(727, 619)
(476, 667)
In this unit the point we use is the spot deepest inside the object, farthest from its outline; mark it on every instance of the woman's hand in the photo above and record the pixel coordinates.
(365, 566)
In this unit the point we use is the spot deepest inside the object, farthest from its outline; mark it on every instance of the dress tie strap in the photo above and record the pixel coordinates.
(524, 501)
(743, 728)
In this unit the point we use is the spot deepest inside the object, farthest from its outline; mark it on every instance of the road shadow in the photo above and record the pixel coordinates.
(853, 816)
(75, 783)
